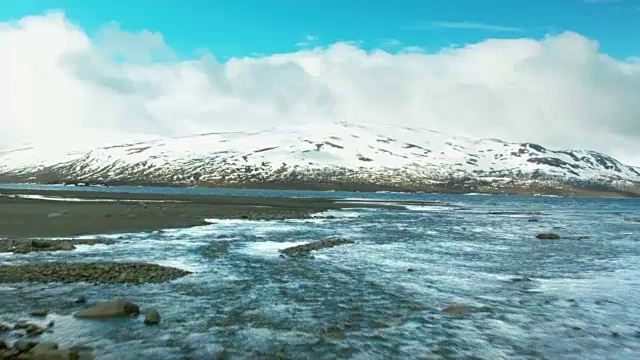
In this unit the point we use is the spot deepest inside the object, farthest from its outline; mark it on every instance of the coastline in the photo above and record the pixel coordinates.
(562, 190)
(59, 213)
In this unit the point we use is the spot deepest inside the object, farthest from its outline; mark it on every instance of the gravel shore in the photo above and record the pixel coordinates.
(71, 213)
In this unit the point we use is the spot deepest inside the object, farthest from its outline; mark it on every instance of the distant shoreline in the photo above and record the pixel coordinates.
(564, 191)
(59, 213)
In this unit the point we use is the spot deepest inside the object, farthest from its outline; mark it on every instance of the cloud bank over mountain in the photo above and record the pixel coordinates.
(62, 88)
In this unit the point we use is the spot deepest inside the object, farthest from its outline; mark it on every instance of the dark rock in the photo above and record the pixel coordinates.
(4, 327)
(23, 345)
(305, 250)
(34, 330)
(110, 309)
(456, 309)
(152, 317)
(40, 313)
(410, 270)
(534, 220)
(21, 324)
(634, 219)
(3, 345)
(81, 300)
(11, 354)
(548, 236)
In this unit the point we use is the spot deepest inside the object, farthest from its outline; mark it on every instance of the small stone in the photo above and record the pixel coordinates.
(410, 270)
(533, 220)
(36, 333)
(152, 317)
(40, 313)
(456, 309)
(3, 345)
(21, 324)
(548, 236)
(23, 345)
(50, 324)
(81, 300)
(11, 354)
(32, 328)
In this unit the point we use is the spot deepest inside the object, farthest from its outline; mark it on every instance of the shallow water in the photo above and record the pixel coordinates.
(529, 298)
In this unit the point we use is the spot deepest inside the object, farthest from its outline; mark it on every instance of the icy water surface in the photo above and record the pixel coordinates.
(379, 298)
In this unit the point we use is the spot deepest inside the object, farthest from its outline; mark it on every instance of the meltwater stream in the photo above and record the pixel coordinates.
(380, 297)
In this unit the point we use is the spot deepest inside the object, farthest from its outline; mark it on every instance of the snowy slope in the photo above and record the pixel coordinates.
(336, 153)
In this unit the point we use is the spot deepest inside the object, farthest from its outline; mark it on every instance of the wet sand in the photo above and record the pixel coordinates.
(105, 213)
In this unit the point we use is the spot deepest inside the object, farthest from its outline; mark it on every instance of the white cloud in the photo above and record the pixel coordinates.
(391, 43)
(308, 41)
(60, 86)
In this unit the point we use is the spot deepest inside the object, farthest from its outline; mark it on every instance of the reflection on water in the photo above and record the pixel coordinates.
(378, 298)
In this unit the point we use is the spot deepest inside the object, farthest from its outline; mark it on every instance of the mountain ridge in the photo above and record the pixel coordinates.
(332, 157)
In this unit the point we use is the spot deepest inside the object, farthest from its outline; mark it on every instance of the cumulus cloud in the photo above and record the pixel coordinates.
(308, 41)
(59, 86)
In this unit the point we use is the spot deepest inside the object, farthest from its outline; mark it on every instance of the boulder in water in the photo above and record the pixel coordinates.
(40, 313)
(306, 249)
(152, 317)
(548, 236)
(456, 309)
(110, 309)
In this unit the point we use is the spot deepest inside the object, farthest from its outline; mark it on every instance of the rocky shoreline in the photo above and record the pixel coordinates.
(25, 246)
(90, 272)
(50, 213)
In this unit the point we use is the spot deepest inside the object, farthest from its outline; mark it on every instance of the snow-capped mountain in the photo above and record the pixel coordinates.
(338, 155)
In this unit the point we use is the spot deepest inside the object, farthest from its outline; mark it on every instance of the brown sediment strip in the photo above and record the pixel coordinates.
(28, 217)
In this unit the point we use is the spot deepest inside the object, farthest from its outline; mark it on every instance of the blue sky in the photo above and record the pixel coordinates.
(247, 27)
